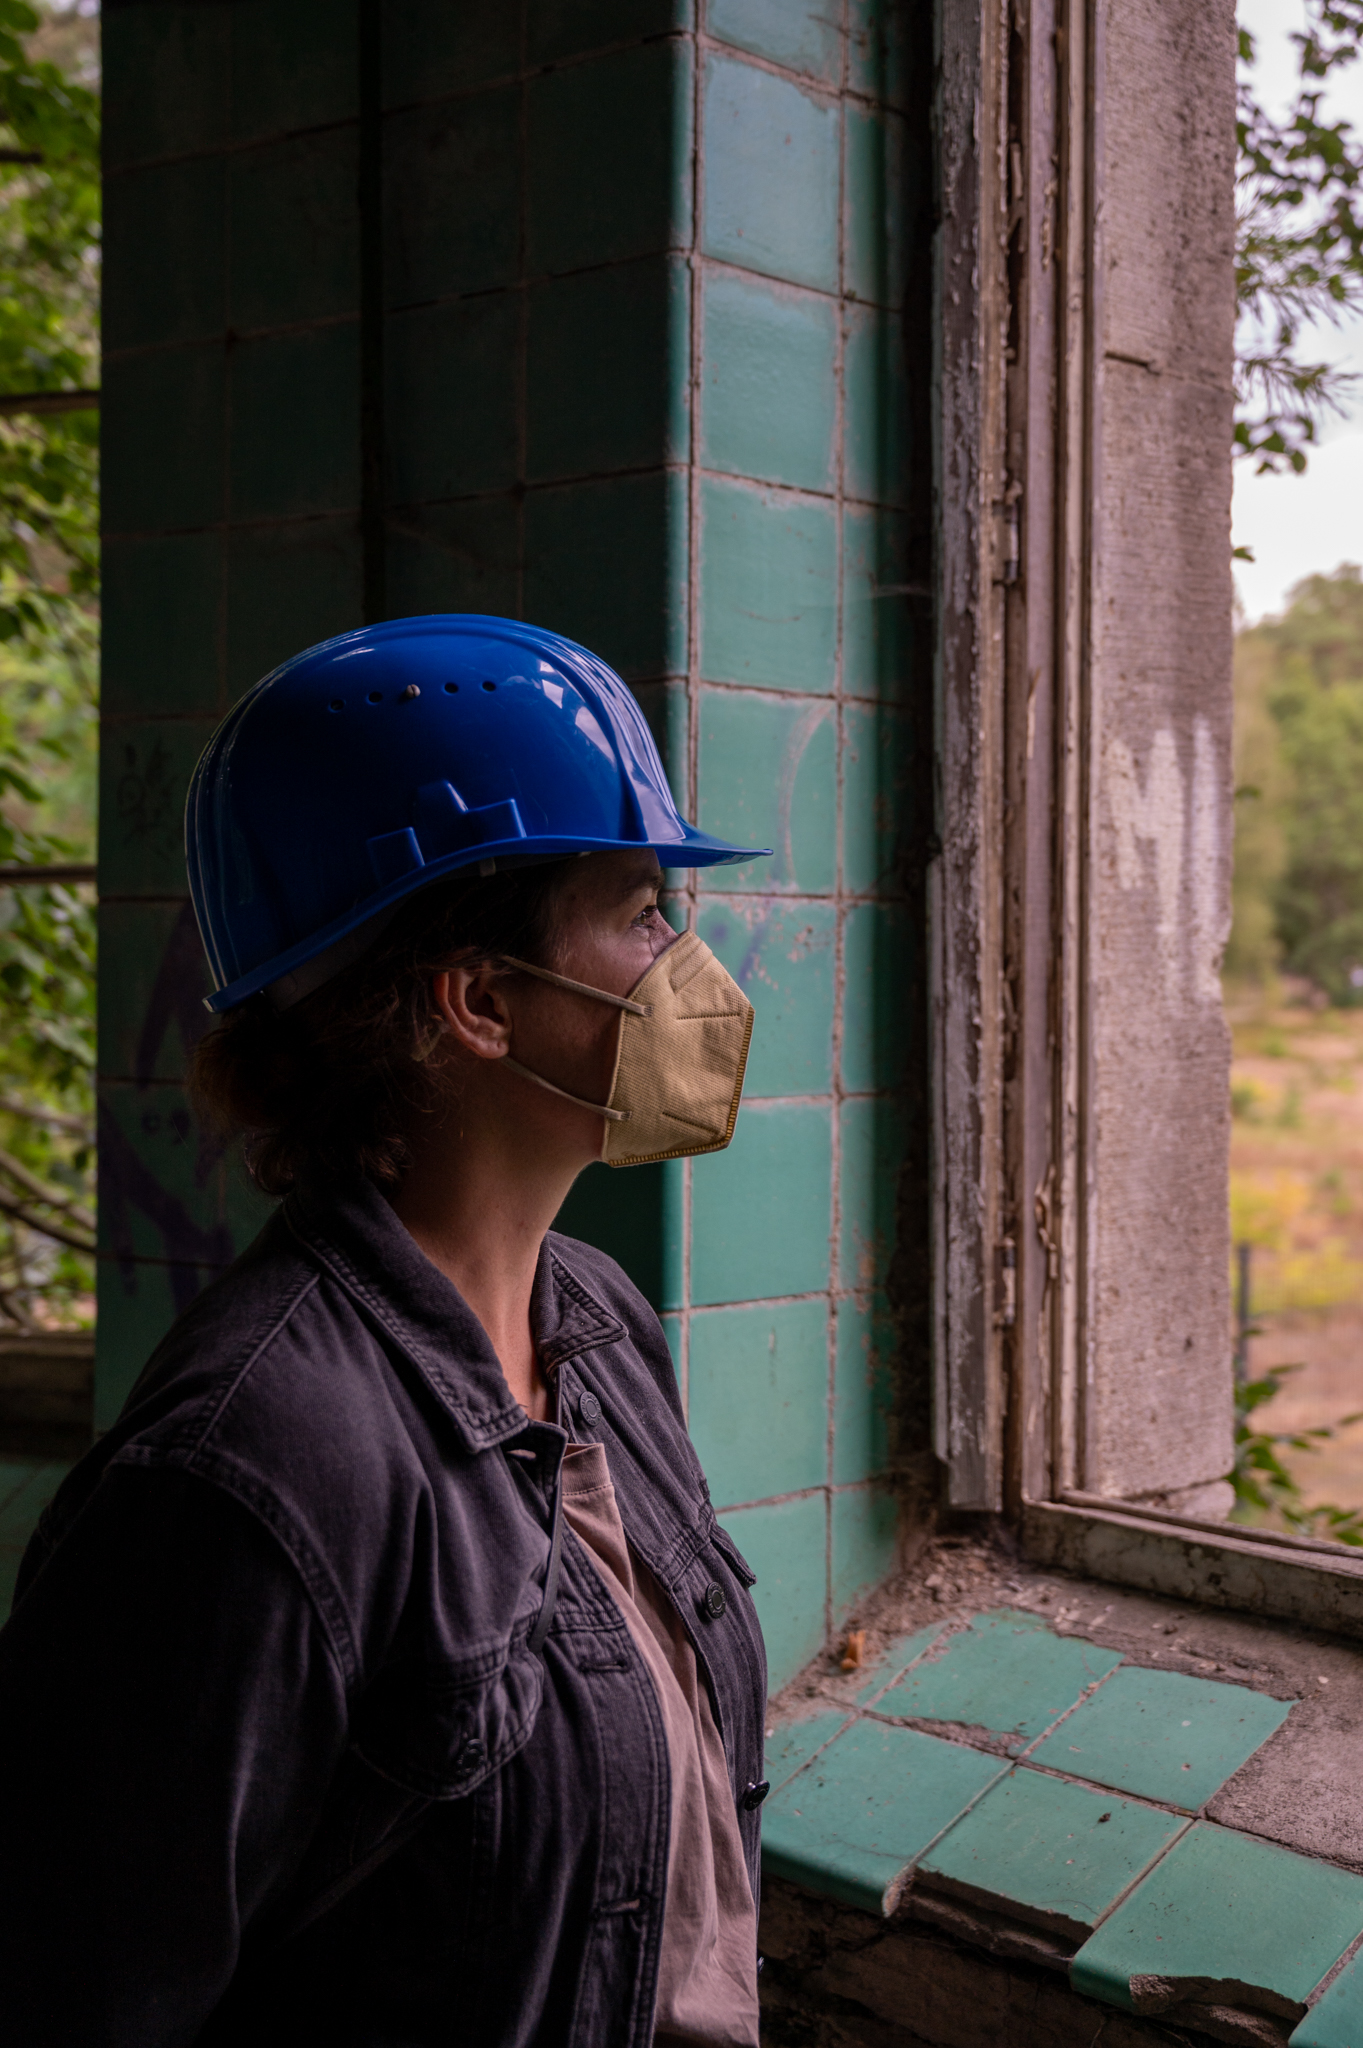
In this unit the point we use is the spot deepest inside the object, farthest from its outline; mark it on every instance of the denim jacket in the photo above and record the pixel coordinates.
(279, 1620)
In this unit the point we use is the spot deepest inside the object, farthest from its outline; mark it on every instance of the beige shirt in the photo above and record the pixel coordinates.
(707, 1972)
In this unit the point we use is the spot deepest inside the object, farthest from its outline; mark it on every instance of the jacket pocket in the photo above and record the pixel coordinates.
(440, 1730)
(732, 1555)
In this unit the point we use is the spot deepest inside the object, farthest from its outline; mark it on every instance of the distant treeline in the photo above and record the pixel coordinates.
(1299, 790)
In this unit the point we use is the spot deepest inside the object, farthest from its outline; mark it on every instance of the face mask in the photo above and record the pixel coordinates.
(679, 1058)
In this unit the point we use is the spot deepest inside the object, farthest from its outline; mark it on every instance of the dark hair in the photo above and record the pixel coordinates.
(334, 1084)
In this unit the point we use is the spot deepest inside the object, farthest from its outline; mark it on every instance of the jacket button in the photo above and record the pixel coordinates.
(755, 1794)
(472, 1751)
(713, 1601)
(589, 1408)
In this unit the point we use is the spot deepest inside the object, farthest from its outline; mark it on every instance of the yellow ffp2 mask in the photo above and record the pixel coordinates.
(682, 1048)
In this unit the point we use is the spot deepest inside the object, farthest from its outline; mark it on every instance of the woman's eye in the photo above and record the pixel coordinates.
(648, 915)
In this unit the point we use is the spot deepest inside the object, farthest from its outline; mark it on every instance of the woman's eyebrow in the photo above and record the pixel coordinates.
(640, 885)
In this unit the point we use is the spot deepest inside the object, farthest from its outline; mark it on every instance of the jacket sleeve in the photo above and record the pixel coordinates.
(171, 1715)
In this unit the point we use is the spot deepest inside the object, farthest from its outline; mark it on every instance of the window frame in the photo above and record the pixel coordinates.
(1018, 287)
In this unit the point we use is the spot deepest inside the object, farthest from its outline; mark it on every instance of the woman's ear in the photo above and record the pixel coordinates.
(471, 1005)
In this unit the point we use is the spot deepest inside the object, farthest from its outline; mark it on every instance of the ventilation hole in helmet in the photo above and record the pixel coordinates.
(376, 696)
(336, 704)
(489, 686)
(453, 689)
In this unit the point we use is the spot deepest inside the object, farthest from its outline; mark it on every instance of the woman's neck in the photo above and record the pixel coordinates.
(478, 1198)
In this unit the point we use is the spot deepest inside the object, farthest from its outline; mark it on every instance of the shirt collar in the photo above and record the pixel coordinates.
(354, 1234)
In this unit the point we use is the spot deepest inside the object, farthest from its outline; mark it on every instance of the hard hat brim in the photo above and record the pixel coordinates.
(696, 850)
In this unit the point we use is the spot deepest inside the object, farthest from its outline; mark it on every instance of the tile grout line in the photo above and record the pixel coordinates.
(524, 74)
(858, 1711)
(695, 378)
(839, 908)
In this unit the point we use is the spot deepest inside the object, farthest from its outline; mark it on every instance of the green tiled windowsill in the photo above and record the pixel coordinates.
(1067, 1790)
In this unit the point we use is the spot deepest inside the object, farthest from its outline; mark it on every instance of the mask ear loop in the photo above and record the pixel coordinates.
(580, 988)
(615, 1116)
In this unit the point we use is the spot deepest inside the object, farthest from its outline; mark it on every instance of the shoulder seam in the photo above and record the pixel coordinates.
(248, 1359)
(229, 1478)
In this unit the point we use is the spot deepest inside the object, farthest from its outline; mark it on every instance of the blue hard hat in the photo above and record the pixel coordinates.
(394, 756)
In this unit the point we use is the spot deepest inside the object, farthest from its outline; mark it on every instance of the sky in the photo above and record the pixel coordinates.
(1301, 525)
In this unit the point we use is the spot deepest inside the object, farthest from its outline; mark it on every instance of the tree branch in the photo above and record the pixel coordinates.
(17, 1210)
(53, 1198)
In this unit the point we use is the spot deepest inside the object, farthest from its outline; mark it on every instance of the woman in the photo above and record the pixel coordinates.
(384, 1677)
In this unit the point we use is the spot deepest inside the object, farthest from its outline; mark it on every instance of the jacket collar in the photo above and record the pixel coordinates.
(354, 1235)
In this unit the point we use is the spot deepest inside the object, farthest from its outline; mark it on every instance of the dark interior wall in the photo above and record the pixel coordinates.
(605, 317)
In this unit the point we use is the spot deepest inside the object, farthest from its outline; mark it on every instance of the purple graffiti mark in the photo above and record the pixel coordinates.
(176, 997)
(747, 967)
(127, 1183)
(176, 1002)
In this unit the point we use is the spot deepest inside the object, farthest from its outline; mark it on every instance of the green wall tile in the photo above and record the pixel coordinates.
(781, 956)
(875, 246)
(760, 1211)
(876, 411)
(26, 1487)
(565, 28)
(288, 587)
(880, 1040)
(802, 36)
(865, 1539)
(896, 1659)
(768, 396)
(429, 51)
(1164, 1735)
(880, 50)
(877, 780)
(768, 597)
(440, 443)
(295, 423)
(295, 231)
(163, 254)
(879, 651)
(635, 1214)
(875, 1138)
(605, 564)
(145, 766)
(853, 1821)
(672, 1330)
(166, 81)
(768, 778)
(1006, 1672)
(159, 611)
(863, 1389)
(455, 558)
(608, 369)
(452, 197)
(771, 175)
(786, 1545)
(156, 476)
(1054, 1854)
(151, 1012)
(759, 1399)
(609, 158)
(167, 1192)
(1336, 2020)
(1228, 1909)
(138, 1302)
(791, 1744)
(293, 67)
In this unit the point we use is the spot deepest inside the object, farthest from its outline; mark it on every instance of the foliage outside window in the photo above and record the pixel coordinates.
(49, 273)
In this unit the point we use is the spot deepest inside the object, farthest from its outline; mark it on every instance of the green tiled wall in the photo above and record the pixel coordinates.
(654, 349)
